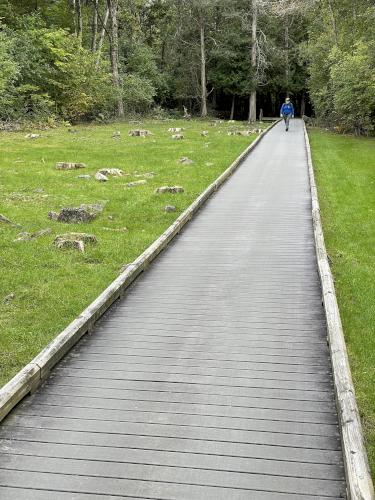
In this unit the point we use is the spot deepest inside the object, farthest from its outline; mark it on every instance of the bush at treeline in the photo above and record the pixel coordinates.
(80, 59)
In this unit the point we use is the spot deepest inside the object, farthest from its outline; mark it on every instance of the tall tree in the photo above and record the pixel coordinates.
(112, 6)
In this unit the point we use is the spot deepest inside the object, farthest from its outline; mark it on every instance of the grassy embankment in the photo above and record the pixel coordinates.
(345, 174)
(52, 286)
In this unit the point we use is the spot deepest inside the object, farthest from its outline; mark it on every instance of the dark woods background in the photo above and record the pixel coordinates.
(100, 59)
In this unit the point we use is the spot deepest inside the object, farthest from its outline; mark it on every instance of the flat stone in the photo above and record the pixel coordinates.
(24, 236)
(85, 176)
(176, 130)
(136, 183)
(170, 189)
(32, 136)
(41, 232)
(75, 241)
(8, 298)
(170, 208)
(139, 133)
(177, 137)
(204, 133)
(75, 215)
(61, 165)
(5, 220)
(185, 160)
(100, 177)
(115, 172)
(116, 134)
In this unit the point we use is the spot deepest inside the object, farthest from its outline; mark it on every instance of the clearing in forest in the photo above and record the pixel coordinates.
(43, 288)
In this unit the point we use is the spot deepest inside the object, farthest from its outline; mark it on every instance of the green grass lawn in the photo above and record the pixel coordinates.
(52, 286)
(345, 174)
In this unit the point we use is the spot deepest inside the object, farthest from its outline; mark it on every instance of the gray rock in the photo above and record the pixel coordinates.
(139, 133)
(75, 241)
(82, 214)
(175, 130)
(116, 172)
(100, 177)
(170, 208)
(8, 299)
(170, 189)
(41, 232)
(178, 137)
(185, 160)
(24, 236)
(61, 165)
(5, 220)
(204, 133)
(85, 176)
(32, 136)
(136, 183)
(116, 135)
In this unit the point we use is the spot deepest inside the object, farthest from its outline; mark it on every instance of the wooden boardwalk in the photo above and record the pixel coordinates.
(212, 379)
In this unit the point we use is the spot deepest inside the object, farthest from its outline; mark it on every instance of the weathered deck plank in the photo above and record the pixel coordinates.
(212, 379)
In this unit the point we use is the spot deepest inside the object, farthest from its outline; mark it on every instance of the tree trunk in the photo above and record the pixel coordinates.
(101, 39)
(203, 72)
(232, 108)
(79, 20)
(333, 21)
(303, 104)
(287, 71)
(73, 4)
(253, 95)
(112, 8)
(94, 26)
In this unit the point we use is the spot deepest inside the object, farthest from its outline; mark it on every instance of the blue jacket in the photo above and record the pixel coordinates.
(287, 109)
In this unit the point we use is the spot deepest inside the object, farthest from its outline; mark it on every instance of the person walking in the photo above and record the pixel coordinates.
(287, 112)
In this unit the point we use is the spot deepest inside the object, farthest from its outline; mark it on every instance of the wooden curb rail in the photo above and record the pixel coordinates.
(358, 477)
(33, 374)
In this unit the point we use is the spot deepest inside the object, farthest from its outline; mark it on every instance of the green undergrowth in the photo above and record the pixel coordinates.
(47, 287)
(345, 173)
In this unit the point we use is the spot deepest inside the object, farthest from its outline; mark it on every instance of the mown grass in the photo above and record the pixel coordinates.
(52, 286)
(345, 172)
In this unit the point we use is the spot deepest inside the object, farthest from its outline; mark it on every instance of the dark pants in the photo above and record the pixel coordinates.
(286, 120)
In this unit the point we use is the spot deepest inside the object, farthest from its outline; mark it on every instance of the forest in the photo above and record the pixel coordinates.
(84, 60)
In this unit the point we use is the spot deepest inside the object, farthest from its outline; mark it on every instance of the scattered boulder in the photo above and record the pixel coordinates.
(136, 183)
(185, 160)
(245, 133)
(170, 189)
(82, 214)
(41, 232)
(115, 172)
(204, 133)
(116, 135)
(177, 137)
(5, 220)
(24, 236)
(139, 133)
(100, 177)
(175, 130)
(170, 208)
(75, 241)
(62, 165)
(8, 298)
(32, 136)
(85, 176)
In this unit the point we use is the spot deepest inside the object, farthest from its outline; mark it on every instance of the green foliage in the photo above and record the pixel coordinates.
(353, 88)
(138, 93)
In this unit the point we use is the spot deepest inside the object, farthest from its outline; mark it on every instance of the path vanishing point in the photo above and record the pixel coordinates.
(212, 378)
